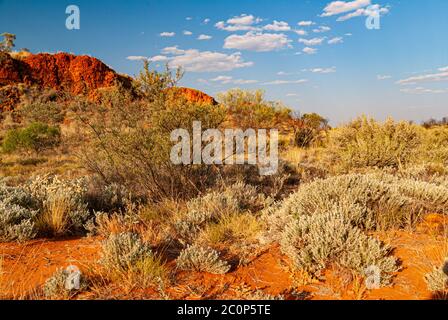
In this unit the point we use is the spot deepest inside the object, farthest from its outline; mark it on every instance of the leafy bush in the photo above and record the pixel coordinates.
(317, 241)
(122, 251)
(437, 280)
(17, 213)
(35, 137)
(368, 143)
(62, 204)
(248, 109)
(42, 112)
(308, 129)
(55, 286)
(131, 145)
(435, 145)
(232, 229)
(202, 260)
(370, 201)
(234, 199)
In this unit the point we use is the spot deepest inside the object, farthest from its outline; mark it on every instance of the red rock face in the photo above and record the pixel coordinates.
(196, 96)
(66, 72)
(78, 75)
(10, 70)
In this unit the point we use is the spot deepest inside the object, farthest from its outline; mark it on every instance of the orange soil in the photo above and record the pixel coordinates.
(26, 266)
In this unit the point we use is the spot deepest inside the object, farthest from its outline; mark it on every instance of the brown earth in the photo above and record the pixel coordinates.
(26, 266)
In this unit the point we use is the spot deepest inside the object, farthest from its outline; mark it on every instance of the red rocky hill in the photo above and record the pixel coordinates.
(78, 75)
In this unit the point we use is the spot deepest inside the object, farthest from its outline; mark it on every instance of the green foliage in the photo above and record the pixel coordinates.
(55, 286)
(62, 204)
(17, 213)
(36, 137)
(215, 205)
(122, 251)
(201, 259)
(372, 201)
(131, 141)
(437, 279)
(250, 109)
(368, 143)
(42, 112)
(308, 128)
(317, 241)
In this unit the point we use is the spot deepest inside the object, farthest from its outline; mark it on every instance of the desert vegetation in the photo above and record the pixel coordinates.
(99, 169)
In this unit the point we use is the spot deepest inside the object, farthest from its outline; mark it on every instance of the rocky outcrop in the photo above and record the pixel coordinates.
(194, 95)
(77, 75)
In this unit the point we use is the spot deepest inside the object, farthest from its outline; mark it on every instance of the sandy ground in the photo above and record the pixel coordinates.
(26, 266)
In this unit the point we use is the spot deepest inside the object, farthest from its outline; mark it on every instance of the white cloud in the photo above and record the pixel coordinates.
(309, 50)
(301, 32)
(243, 22)
(207, 61)
(244, 19)
(292, 95)
(352, 9)
(306, 23)
(383, 77)
(159, 58)
(206, 21)
(137, 58)
(204, 37)
(370, 11)
(173, 50)
(336, 40)
(231, 80)
(282, 82)
(312, 42)
(256, 41)
(323, 70)
(167, 34)
(232, 28)
(322, 29)
(421, 90)
(432, 77)
(277, 26)
(339, 7)
(187, 33)
(188, 18)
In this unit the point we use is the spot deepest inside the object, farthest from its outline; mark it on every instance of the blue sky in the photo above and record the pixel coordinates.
(314, 55)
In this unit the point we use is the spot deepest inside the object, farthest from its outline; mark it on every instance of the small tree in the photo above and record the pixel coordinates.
(8, 42)
(36, 137)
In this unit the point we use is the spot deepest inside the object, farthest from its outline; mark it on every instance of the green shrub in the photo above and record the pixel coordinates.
(248, 109)
(131, 140)
(320, 240)
(36, 137)
(435, 145)
(370, 201)
(437, 280)
(42, 112)
(62, 204)
(202, 260)
(120, 252)
(55, 286)
(17, 213)
(368, 143)
(234, 199)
